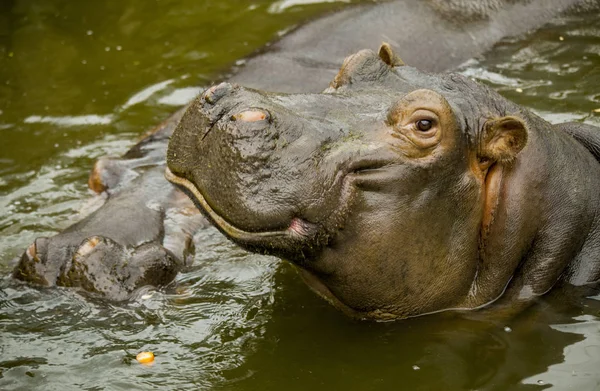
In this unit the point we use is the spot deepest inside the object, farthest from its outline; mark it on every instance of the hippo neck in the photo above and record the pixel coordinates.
(541, 204)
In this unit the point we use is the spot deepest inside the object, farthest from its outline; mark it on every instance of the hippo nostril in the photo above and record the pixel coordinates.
(250, 116)
(87, 246)
(214, 93)
(38, 248)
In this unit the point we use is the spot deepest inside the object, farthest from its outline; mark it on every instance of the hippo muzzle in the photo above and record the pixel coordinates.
(278, 187)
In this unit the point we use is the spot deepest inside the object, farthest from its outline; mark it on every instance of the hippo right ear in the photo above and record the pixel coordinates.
(502, 139)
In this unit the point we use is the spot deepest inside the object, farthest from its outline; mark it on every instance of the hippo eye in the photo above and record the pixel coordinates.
(424, 125)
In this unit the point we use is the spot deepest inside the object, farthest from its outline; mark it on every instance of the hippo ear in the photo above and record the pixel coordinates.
(502, 139)
(388, 56)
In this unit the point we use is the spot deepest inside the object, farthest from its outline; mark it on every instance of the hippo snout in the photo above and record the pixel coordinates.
(286, 164)
(97, 264)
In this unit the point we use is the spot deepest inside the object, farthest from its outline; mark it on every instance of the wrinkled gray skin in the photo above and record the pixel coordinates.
(387, 220)
(142, 235)
(129, 238)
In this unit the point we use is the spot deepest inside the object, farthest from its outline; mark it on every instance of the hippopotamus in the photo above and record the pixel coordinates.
(396, 192)
(142, 235)
(133, 239)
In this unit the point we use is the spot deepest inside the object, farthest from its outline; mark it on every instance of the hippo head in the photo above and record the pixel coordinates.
(380, 189)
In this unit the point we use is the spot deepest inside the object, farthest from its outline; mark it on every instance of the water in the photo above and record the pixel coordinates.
(84, 79)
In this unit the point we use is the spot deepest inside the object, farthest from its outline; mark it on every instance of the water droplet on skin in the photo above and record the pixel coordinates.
(507, 329)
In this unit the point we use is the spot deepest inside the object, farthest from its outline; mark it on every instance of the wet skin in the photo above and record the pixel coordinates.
(397, 193)
(131, 233)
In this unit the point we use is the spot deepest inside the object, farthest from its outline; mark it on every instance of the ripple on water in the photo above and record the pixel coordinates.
(208, 325)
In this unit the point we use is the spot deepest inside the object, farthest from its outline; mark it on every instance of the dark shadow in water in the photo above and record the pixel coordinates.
(310, 346)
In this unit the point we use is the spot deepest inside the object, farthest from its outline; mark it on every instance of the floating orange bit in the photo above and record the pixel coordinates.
(145, 357)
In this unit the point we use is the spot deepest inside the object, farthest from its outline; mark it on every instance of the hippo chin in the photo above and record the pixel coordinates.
(397, 193)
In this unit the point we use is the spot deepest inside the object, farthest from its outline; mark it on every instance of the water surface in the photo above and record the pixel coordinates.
(84, 79)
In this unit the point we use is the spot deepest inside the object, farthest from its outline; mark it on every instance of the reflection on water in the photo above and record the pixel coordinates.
(236, 321)
(70, 120)
(579, 370)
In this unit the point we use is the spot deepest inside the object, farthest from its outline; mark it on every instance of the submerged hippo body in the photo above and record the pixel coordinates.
(397, 193)
(134, 233)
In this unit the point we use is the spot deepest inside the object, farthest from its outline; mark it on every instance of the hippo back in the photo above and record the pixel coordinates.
(587, 135)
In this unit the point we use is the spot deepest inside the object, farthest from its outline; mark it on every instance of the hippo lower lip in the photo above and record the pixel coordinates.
(298, 230)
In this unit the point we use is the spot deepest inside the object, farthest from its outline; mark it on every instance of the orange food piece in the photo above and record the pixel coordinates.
(145, 357)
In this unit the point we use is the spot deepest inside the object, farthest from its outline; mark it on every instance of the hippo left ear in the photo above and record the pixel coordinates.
(388, 56)
(502, 139)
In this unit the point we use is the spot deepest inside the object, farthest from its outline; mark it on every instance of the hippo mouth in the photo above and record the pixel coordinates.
(301, 238)
(299, 231)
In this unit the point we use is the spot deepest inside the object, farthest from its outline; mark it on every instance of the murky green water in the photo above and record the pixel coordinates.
(79, 80)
